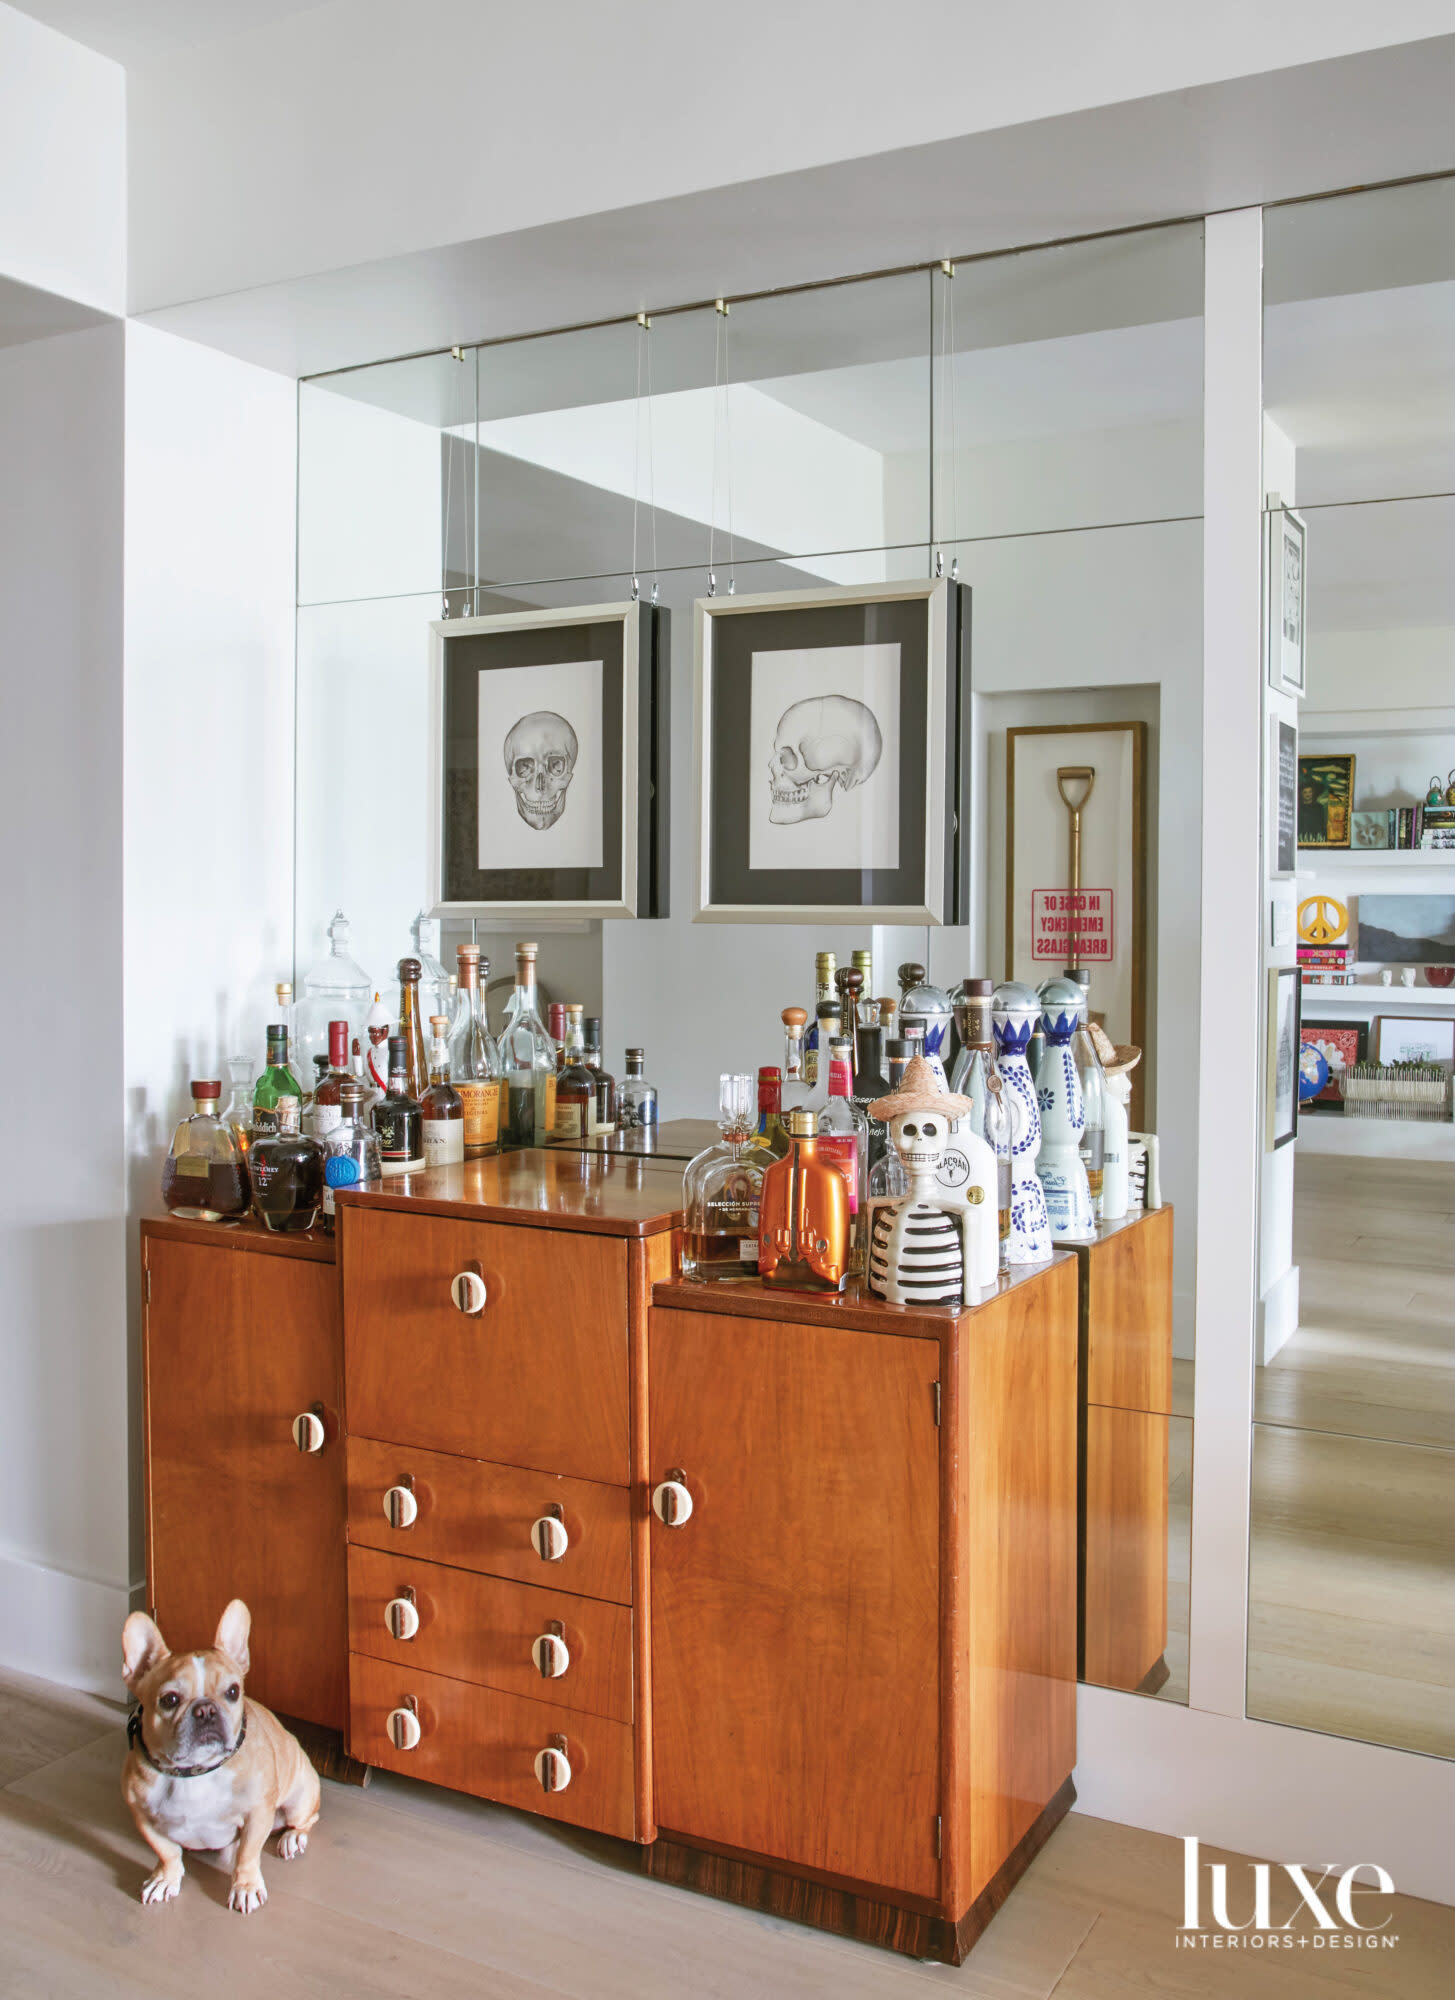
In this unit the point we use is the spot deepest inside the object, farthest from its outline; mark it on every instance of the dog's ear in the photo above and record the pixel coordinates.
(142, 1646)
(232, 1633)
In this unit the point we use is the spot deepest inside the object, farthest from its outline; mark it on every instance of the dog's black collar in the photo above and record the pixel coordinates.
(139, 1743)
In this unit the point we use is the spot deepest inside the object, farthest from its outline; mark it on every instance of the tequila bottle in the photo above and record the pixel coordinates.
(806, 1233)
(637, 1099)
(528, 1059)
(928, 1008)
(721, 1192)
(1092, 1079)
(772, 1132)
(863, 962)
(824, 966)
(843, 1136)
(796, 1092)
(1015, 1009)
(350, 1152)
(1063, 1117)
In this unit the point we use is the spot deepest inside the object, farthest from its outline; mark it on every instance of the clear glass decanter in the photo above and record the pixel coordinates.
(722, 1190)
(527, 1059)
(336, 989)
(434, 981)
(204, 1179)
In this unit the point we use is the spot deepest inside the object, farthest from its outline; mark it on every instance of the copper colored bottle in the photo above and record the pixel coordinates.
(804, 1229)
(411, 1027)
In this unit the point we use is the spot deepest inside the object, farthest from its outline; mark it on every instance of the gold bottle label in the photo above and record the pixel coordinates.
(481, 1099)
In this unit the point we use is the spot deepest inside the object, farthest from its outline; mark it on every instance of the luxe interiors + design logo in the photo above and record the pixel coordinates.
(1323, 1915)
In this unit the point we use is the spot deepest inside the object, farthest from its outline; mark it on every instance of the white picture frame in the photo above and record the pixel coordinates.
(1285, 600)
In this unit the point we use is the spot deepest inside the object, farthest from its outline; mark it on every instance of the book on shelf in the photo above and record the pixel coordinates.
(1317, 978)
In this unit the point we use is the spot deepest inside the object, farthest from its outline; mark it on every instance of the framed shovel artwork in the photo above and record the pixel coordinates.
(547, 790)
(830, 761)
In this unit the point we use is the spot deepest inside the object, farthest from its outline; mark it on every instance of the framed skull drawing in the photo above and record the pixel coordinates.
(544, 745)
(830, 755)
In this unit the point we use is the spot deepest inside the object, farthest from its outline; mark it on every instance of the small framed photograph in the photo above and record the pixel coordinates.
(1281, 1080)
(1339, 1044)
(1372, 830)
(1412, 1038)
(1284, 598)
(1283, 799)
(1325, 800)
(830, 761)
(547, 788)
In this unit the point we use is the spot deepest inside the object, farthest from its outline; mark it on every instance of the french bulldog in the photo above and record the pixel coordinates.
(206, 1766)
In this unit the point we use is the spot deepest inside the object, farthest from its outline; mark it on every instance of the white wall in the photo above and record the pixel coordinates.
(246, 163)
(64, 1566)
(62, 165)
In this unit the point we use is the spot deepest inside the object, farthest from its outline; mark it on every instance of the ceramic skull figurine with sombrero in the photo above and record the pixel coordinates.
(930, 1248)
(1014, 1013)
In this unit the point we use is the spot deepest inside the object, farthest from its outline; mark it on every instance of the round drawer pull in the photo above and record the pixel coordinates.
(308, 1432)
(671, 1502)
(402, 1727)
(401, 1615)
(549, 1537)
(467, 1289)
(553, 1766)
(401, 1509)
(551, 1653)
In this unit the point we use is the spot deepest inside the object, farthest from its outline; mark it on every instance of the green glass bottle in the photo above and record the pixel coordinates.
(277, 1081)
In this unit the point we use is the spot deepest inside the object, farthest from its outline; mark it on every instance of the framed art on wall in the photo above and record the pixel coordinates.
(1283, 794)
(1413, 1038)
(1284, 572)
(547, 789)
(1341, 1044)
(1281, 1080)
(829, 766)
(1325, 800)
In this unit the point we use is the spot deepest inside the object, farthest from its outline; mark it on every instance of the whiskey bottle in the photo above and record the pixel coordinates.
(283, 995)
(575, 1083)
(350, 1152)
(556, 1028)
(823, 979)
(721, 1191)
(442, 1105)
(636, 1099)
(286, 1167)
(327, 1107)
(474, 1058)
(411, 1028)
(804, 1232)
(398, 1119)
(277, 1085)
(605, 1081)
(204, 1178)
(528, 1059)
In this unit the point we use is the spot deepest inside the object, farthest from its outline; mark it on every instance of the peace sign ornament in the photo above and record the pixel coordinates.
(1322, 920)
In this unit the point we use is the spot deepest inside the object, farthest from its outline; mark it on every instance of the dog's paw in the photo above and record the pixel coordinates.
(291, 1843)
(247, 1895)
(162, 1884)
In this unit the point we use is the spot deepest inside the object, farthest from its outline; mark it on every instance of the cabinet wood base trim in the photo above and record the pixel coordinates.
(1155, 1677)
(780, 1893)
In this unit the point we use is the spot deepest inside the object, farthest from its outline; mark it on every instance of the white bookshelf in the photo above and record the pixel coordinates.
(1394, 999)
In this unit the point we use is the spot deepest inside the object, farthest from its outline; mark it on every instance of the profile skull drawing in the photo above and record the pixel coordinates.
(824, 745)
(540, 761)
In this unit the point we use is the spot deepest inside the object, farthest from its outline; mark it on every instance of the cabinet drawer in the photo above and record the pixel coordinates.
(481, 1628)
(477, 1516)
(538, 1377)
(476, 1739)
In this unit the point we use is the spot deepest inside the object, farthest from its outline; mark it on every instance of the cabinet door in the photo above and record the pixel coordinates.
(795, 1613)
(1125, 1541)
(237, 1345)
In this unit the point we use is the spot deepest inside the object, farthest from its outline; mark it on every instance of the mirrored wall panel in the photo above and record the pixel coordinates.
(1352, 1572)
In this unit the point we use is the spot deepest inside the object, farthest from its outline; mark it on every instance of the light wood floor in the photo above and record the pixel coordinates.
(1352, 1572)
(408, 1892)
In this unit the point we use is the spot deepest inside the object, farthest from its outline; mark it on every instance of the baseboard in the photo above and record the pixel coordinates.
(62, 1628)
(1277, 1316)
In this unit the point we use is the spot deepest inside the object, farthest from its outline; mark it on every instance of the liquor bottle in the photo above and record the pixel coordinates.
(870, 1083)
(528, 1059)
(398, 1118)
(474, 1058)
(1063, 1119)
(1092, 1079)
(575, 1083)
(286, 1168)
(863, 962)
(721, 1192)
(636, 1099)
(843, 1137)
(850, 985)
(240, 1111)
(772, 1132)
(442, 1104)
(804, 1235)
(377, 1026)
(411, 1029)
(434, 981)
(361, 1076)
(997, 1136)
(277, 1085)
(606, 1110)
(327, 1107)
(283, 1013)
(335, 989)
(556, 1025)
(350, 1152)
(320, 1071)
(1014, 1011)
(796, 1091)
(824, 965)
(970, 1004)
(926, 1006)
(204, 1178)
(828, 1031)
(888, 1180)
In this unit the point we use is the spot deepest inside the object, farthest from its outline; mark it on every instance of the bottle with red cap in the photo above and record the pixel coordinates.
(204, 1179)
(326, 1110)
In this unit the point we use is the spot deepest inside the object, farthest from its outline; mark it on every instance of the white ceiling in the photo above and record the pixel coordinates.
(134, 32)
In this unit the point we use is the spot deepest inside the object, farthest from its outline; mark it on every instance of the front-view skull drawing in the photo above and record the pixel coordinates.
(825, 744)
(540, 760)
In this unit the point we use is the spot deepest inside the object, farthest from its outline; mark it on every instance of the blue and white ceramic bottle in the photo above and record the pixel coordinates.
(1060, 1166)
(1015, 1010)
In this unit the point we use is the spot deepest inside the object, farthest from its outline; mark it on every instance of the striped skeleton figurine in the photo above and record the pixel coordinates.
(930, 1249)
